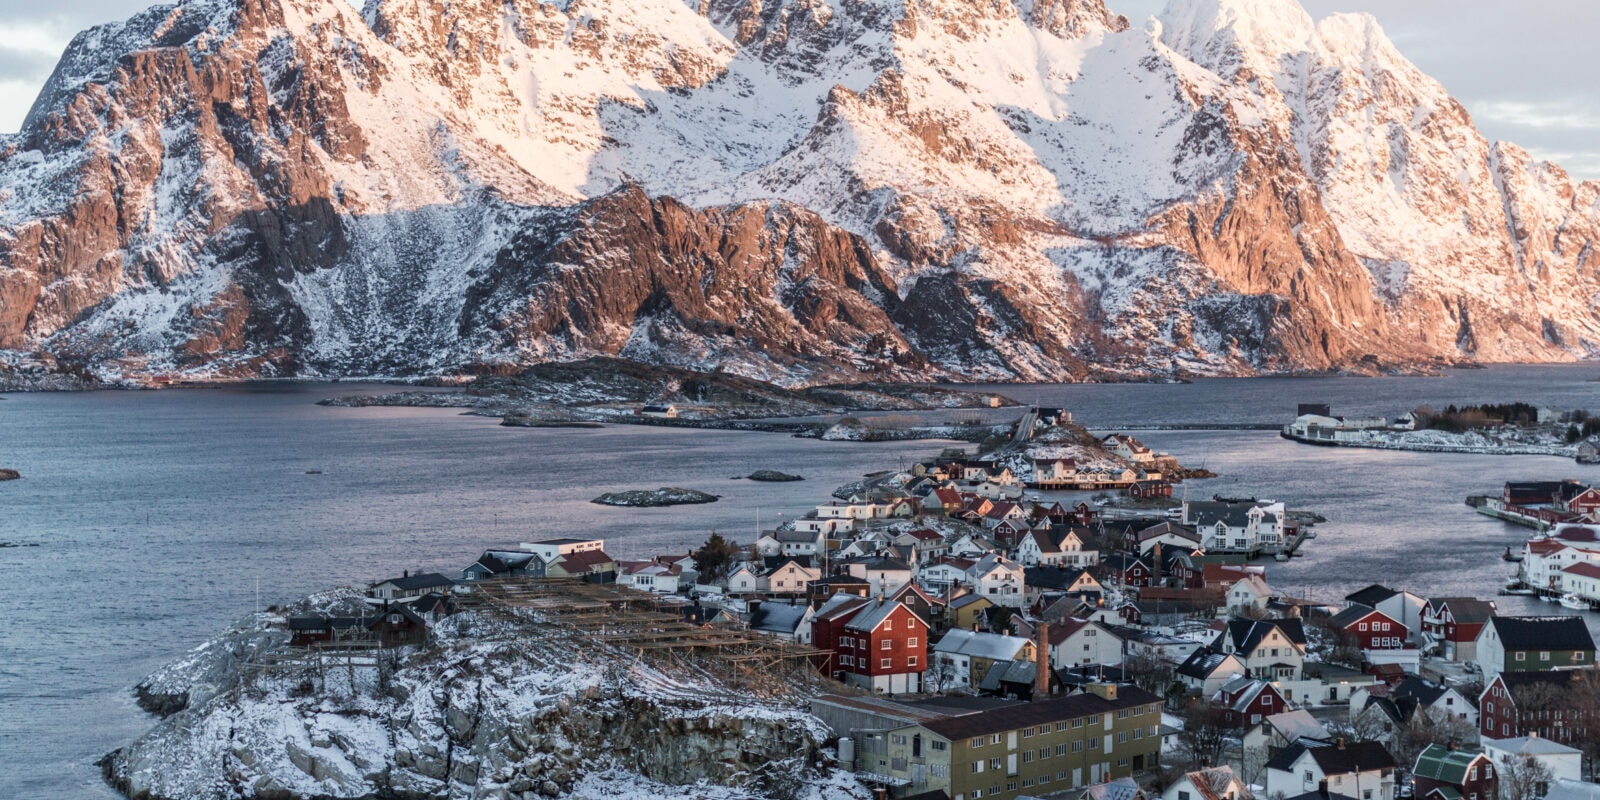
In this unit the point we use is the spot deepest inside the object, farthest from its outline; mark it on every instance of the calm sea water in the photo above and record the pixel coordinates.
(156, 514)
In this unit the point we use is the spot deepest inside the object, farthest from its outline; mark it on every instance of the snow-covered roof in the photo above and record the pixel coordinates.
(982, 644)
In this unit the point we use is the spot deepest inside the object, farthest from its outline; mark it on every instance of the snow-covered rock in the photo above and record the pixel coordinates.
(796, 190)
(486, 712)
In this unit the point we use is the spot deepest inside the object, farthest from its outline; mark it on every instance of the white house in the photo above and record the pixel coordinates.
(650, 576)
(1077, 641)
(1272, 649)
(1211, 783)
(956, 651)
(791, 577)
(1129, 448)
(998, 578)
(1565, 763)
(550, 549)
(1247, 594)
(1205, 671)
(940, 576)
(1274, 734)
(1360, 770)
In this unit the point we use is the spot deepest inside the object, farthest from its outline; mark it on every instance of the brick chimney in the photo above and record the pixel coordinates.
(1041, 677)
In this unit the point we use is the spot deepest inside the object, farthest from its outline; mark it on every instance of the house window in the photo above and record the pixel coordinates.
(912, 642)
(1522, 656)
(938, 745)
(1027, 733)
(994, 763)
(1361, 627)
(887, 645)
(1544, 655)
(1182, 795)
(1027, 756)
(977, 766)
(994, 738)
(911, 661)
(886, 663)
(977, 741)
(1577, 656)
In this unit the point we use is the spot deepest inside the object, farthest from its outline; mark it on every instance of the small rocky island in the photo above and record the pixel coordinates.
(649, 498)
(772, 476)
(9, 474)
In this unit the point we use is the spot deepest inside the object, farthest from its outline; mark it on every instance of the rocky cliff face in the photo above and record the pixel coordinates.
(799, 190)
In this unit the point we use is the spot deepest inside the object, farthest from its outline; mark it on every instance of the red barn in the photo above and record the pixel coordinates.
(1368, 629)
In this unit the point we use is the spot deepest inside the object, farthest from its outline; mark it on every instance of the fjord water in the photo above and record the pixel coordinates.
(156, 514)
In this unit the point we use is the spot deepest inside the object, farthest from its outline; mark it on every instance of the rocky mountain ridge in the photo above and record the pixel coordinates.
(801, 191)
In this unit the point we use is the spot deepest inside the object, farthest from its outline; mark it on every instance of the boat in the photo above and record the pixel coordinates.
(1574, 601)
(1510, 556)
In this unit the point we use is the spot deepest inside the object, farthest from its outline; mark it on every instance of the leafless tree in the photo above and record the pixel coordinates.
(1524, 778)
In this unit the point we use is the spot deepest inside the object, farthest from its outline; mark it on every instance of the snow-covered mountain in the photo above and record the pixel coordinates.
(800, 190)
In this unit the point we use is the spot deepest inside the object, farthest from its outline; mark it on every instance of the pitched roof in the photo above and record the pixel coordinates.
(1212, 783)
(1542, 633)
(1445, 765)
(1531, 746)
(1335, 759)
(1518, 683)
(778, 617)
(421, 580)
(1354, 614)
(1201, 663)
(1296, 724)
(983, 644)
(1584, 569)
(874, 614)
(1053, 577)
(1371, 596)
(841, 606)
(1465, 610)
(1247, 633)
(584, 561)
(1426, 692)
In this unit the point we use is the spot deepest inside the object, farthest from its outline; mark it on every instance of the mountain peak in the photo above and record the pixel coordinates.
(1000, 189)
(1226, 36)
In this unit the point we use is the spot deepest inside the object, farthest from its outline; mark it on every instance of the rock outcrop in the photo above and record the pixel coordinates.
(486, 711)
(794, 190)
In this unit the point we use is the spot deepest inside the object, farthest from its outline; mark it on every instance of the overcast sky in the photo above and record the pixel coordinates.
(1525, 70)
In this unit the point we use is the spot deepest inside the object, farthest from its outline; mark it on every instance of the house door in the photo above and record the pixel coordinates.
(1138, 763)
(916, 746)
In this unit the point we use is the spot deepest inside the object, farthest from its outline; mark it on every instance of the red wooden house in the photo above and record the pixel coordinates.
(1143, 489)
(877, 643)
(1368, 629)
(1126, 570)
(1246, 701)
(1537, 703)
(1457, 621)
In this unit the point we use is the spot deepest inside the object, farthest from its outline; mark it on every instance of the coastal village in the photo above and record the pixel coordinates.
(972, 639)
